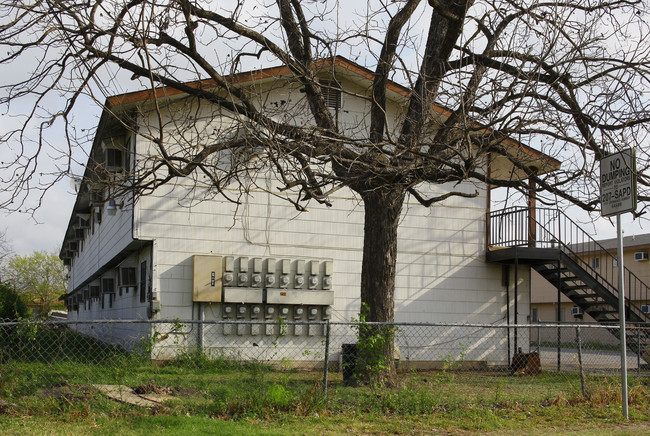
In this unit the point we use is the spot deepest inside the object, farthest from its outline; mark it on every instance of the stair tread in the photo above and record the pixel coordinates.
(582, 297)
(573, 287)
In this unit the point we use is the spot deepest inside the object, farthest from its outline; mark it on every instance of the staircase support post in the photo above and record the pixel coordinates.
(559, 317)
(621, 315)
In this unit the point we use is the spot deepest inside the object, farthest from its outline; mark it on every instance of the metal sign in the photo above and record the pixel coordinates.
(618, 183)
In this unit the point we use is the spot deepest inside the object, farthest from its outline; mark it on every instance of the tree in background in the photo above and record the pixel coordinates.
(12, 307)
(5, 249)
(40, 278)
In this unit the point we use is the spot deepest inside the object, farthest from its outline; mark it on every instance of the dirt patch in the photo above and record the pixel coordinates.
(67, 392)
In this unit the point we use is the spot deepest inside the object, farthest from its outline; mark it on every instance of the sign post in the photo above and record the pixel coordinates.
(617, 196)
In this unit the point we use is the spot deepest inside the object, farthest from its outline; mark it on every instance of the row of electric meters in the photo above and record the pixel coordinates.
(268, 313)
(274, 312)
(233, 279)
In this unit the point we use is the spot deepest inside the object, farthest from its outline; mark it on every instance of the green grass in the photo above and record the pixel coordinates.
(506, 422)
(51, 393)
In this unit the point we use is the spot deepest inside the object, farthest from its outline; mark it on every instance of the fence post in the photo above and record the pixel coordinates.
(638, 350)
(582, 372)
(327, 357)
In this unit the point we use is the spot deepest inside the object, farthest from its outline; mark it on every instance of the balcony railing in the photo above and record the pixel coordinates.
(551, 228)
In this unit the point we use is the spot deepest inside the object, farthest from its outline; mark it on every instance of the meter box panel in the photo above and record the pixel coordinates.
(206, 284)
(318, 298)
(284, 296)
(242, 295)
(299, 296)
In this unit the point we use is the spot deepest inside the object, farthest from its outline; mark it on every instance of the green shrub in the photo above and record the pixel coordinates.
(12, 306)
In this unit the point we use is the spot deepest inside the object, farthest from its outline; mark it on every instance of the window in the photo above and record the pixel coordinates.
(113, 160)
(143, 282)
(108, 286)
(331, 94)
(595, 263)
(94, 292)
(83, 223)
(96, 197)
(127, 276)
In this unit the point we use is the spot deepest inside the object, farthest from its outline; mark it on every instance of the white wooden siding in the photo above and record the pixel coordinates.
(441, 273)
(112, 236)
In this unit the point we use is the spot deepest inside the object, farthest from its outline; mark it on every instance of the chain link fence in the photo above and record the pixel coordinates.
(41, 356)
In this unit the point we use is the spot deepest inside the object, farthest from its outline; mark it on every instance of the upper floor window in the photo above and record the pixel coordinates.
(114, 160)
(117, 154)
(332, 94)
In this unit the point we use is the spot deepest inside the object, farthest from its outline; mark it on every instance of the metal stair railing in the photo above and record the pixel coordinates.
(550, 228)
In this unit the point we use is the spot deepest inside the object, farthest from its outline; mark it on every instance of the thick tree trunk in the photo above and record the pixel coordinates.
(382, 212)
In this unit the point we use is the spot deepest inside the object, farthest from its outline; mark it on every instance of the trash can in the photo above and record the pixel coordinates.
(349, 357)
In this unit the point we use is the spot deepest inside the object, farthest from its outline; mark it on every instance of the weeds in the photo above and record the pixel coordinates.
(375, 351)
(219, 384)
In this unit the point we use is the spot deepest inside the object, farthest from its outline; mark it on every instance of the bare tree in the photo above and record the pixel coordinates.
(5, 249)
(481, 78)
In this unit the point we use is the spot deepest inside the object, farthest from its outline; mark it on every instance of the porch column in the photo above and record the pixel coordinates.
(532, 204)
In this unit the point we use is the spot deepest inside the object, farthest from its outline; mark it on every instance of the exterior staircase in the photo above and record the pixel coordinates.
(572, 261)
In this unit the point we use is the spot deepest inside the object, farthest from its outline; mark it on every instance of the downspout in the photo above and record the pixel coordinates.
(516, 298)
(488, 205)
(200, 331)
(506, 282)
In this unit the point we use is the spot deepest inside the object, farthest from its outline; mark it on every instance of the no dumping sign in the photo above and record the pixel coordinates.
(618, 183)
